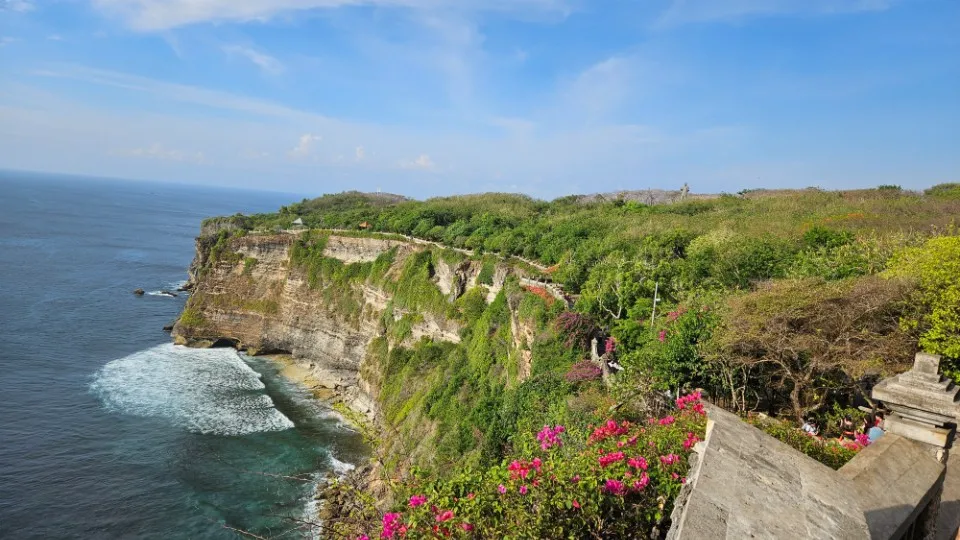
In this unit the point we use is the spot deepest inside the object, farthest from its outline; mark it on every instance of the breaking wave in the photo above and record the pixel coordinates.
(340, 467)
(210, 391)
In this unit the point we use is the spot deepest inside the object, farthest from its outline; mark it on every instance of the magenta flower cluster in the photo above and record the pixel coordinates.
(669, 459)
(610, 429)
(392, 524)
(584, 370)
(693, 398)
(548, 437)
(613, 457)
(609, 345)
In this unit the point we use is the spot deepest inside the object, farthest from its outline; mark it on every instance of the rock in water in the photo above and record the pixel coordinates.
(138, 292)
(168, 327)
(168, 293)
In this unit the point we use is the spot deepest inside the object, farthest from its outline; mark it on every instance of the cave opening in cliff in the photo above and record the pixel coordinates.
(223, 343)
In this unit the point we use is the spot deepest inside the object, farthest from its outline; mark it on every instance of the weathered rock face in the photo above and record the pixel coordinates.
(256, 300)
(353, 250)
(260, 303)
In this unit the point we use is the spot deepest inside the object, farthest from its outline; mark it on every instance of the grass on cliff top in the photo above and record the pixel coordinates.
(566, 229)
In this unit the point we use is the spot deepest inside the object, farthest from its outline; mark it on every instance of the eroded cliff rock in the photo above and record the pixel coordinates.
(248, 292)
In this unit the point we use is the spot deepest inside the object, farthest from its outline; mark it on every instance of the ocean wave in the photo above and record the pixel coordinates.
(209, 391)
(162, 293)
(340, 467)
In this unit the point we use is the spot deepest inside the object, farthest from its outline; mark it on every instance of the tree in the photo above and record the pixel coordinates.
(811, 337)
(613, 286)
(935, 266)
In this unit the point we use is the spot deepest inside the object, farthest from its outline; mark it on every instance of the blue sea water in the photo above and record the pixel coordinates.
(106, 429)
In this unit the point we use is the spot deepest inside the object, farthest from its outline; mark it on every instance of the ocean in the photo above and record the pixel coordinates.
(107, 430)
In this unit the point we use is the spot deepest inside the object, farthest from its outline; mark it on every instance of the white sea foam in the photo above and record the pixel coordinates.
(202, 390)
(311, 510)
(160, 293)
(177, 285)
(340, 467)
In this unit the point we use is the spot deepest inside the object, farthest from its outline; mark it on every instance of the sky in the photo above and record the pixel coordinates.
(431, 97)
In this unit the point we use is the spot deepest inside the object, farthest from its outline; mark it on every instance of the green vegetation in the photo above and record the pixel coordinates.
(615, 481)
(793, 303)
(191, 317)
(763, 231)
(828, 451)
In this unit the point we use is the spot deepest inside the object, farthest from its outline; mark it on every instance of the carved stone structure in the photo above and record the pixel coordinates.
(924, 408)
(745, 484)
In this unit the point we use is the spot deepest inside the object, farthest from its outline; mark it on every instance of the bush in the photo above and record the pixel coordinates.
(827, 451)
(945, 191)
(823, 237)
(617, 481)
(584, 370)
(936, 268)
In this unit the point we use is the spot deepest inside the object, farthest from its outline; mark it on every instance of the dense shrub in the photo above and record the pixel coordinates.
(584, 370)
(830, 452)
(936, 268)
(617, 480)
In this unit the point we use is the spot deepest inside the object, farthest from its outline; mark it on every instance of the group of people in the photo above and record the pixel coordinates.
(872, 427)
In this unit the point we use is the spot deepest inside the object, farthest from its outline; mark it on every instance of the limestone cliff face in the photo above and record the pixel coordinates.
(256, 299)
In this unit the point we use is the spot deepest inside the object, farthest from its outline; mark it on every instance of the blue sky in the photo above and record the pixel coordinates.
(429, 97)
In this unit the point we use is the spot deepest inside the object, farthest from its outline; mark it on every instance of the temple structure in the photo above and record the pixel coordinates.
(744, 483)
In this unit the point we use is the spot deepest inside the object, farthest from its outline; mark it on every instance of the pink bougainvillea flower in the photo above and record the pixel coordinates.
(613, 487)
(641, 482)
(466, 526)
(502, 489)
(610, 429)
(662, 336)
(669, 459)
(576, 504)
(523, 490)
(391, 524)
(692, 439)
(667, 420)
(548, 437)
(417, 500)
(638, 463)
(612, 457)
(575, 479)
(446, 515)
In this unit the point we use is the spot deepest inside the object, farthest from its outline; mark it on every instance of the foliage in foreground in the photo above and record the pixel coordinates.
(830, 452)
(617, 480)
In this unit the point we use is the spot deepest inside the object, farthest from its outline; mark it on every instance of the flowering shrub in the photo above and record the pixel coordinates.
(829, 451)
(616, 480)
(542, 293)
(576, 328)
(584, 370)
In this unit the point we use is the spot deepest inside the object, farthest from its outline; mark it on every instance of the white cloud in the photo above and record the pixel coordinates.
(152, 15)
(691, 11)
(178, 92)
(20, 6)
(422, 162)
(55, 37)
(6, 40)
(554, 149)
(359, 154)
(305, 147)
(265, 62)
(158, 151)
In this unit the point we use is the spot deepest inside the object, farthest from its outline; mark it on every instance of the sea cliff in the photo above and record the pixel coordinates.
(335, 307)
